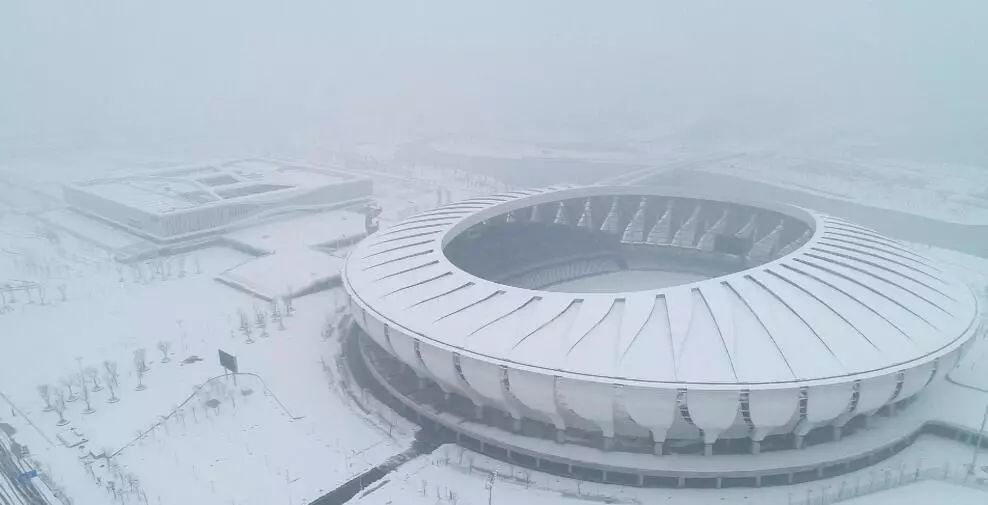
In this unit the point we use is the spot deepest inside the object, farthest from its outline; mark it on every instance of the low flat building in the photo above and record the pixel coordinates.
(189, 202)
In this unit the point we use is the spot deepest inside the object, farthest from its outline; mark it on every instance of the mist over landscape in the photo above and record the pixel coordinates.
(183, 79)
(342, 252)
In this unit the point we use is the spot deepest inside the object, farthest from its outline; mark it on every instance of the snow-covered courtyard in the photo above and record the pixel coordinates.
(135, 399)
(286, 424)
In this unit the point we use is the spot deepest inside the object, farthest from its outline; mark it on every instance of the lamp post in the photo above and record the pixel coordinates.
(489, 485)
(977, 445)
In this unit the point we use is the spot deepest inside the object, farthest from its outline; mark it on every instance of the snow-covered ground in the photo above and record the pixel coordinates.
(285, 273)
(289, 434)
(320, 444)
(501, 148)
(948, 192)
(930, 491)
(254, 452)
(972, 370)
(103, 234)
(952, 193)
(455, 476)
(307, 229)
(292, 434)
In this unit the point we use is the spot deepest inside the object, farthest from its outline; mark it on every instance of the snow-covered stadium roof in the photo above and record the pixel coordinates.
(844, 301)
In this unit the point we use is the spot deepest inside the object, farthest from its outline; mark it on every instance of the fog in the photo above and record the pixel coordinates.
(184, 78)
(610, 248)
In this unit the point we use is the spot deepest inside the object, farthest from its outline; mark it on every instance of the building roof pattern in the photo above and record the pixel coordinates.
(844, 301)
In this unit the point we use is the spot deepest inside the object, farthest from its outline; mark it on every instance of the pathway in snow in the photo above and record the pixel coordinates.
(424, 444)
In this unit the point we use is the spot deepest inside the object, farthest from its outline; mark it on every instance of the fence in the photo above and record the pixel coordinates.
(880, 480)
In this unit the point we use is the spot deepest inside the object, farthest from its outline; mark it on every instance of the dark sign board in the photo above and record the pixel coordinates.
(228, 361)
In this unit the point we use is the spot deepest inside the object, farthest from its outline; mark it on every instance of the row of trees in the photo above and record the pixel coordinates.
(78, 386)
(31, 292)
(158, 269)
(93, 379)
(260, 319)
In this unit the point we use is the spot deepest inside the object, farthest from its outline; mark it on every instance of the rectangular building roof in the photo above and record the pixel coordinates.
(177, 189)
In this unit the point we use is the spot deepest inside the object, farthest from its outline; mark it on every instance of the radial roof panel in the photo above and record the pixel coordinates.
(841, 302)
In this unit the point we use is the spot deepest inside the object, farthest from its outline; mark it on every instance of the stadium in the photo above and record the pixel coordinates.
(653, 337)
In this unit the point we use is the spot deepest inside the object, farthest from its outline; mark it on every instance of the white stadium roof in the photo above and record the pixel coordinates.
(847, 303)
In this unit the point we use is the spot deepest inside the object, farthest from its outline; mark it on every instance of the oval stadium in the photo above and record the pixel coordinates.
(648, 336)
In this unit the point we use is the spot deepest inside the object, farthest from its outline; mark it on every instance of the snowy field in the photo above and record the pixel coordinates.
(301, 230)
(952, 193)
(500, 148)
(972, 370)
(291, 433)
(300, 443)
(104, 235)
(930, 492)
(287, 432)
(288, 271)
(454, 476)
(948, 192)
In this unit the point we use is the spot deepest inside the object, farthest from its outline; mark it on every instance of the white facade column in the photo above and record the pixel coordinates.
(538, 393)
(592, 401)
(770, 410)
(651, 408)
(823, 405)
(713, 412)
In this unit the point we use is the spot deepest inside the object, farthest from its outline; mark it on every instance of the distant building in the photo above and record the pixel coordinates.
(187, 202)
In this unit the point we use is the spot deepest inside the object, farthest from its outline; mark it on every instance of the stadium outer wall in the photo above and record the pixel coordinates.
(558, 415)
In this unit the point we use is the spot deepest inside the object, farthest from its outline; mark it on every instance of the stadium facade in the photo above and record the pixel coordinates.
(574, 322)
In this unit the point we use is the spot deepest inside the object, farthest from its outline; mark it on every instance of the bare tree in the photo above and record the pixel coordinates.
(111, 368)
(42, 294)
(140, 368)
(261, 320)
(85, 396)
(245, 326)
(140, 359)
(164, 346)
(276, 315)
(59, 406)
(244, 320)
(92, 374)
(45, 391)
(62, 291)
(136, 273)
(112, 379)
(289, 306)
(69, 382)
(140, 378)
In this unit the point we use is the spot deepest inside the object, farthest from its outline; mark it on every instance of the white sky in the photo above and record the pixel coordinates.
(908, 78)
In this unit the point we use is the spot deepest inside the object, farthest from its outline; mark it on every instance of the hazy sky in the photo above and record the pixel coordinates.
(902, 76)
